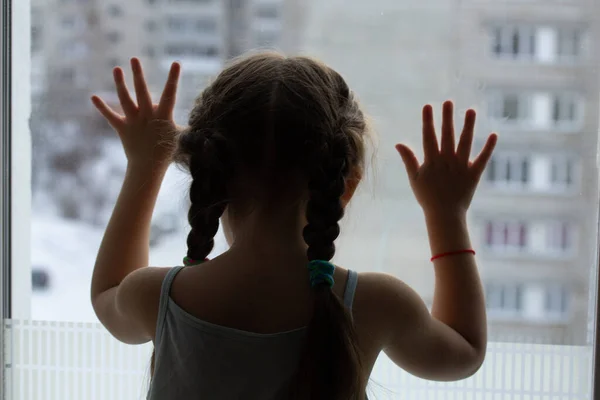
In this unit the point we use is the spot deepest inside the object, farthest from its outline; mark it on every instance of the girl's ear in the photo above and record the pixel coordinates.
(351, 184)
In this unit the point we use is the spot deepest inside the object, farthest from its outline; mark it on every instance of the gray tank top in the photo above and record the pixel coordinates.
(195, 359)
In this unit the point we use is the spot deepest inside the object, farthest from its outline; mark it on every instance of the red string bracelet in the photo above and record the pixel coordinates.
(452, 253)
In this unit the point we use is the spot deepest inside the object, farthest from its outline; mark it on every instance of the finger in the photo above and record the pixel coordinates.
(127, 103)
(466, 137)
(430, 142)
(410, 160)
(448, 145)
(141, 89)
(482, 159)
(113, 118)
(169, 94)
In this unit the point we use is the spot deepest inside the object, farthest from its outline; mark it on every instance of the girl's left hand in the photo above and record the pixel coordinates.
(147, 130)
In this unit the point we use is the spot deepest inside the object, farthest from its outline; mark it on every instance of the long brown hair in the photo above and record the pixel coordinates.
(277, 117)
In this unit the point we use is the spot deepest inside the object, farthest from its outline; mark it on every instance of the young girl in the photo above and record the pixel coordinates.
(275, 147)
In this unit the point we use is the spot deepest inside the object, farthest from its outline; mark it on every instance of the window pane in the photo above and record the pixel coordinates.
(516, 42)
(497, 40)
(556, 109)
(491, 170)
(511, 107)
(525, 171)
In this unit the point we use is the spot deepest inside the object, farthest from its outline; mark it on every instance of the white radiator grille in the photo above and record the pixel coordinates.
(67, 361)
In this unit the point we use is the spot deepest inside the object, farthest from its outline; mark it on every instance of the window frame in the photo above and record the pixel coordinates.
(14, 200)
(5, 187)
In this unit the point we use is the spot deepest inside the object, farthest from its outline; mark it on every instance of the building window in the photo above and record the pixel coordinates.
(113, 37)
(267, 11)
(191, 50)
(569, 43)
(508, 169)
(560, 237)
(506, 235)
(556, 300)
(562, 172)
(509, 107)
(504, 297)
(514, 41)
(565, 109)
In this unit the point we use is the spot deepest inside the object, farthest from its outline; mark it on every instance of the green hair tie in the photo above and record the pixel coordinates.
(321, 272)
(188, 262)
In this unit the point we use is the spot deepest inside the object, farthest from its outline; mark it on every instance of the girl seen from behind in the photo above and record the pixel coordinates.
(276, 149)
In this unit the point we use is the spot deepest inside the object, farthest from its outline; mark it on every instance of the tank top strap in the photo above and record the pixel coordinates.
(350, 289)
(164, 302)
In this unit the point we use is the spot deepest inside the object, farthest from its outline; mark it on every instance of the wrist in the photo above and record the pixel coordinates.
(147, 167)
(145, 170)
(447, 232)
(454, 216)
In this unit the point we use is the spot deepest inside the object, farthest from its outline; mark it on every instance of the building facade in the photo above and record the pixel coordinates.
(530, 70)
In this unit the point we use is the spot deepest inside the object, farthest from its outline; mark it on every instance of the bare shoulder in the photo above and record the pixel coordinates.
(139, 294)
(145, 281)
(382, 301)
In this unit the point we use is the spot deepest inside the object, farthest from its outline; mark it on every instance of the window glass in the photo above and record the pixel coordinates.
(569, 42)
(533, 221)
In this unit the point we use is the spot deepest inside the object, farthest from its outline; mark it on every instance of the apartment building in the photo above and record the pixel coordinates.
(530, 70)
(76, 43)
(535, 220)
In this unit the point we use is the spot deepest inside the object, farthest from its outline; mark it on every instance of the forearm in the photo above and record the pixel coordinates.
(458, 298)
(125, 245)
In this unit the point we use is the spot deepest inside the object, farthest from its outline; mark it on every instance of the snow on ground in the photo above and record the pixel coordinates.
(67, 251)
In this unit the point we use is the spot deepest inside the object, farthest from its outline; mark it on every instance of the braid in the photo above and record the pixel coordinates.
(208, 193)
(327, 184)
(331, 367)
(324, 209)
(332, 353)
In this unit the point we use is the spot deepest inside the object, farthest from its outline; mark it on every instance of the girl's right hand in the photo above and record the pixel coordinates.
(445, 183)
